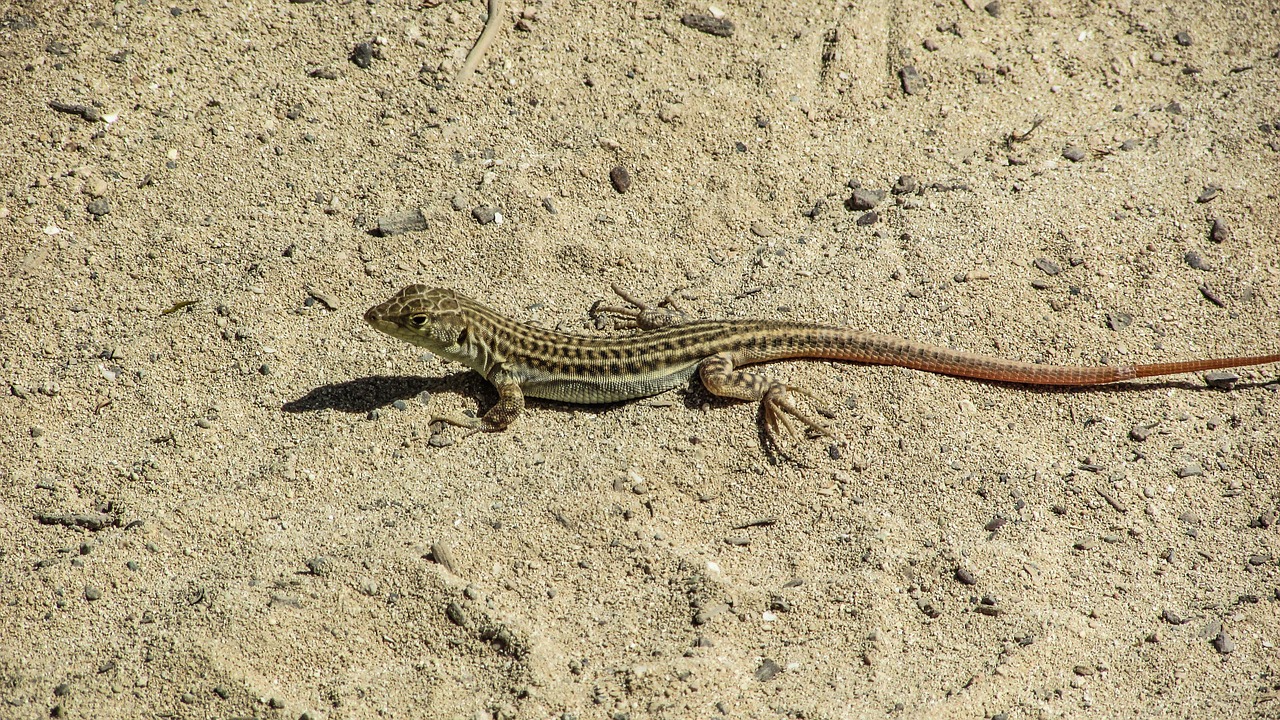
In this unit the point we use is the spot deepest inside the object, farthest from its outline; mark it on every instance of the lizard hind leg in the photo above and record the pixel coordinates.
(640, 315)
(777, 406)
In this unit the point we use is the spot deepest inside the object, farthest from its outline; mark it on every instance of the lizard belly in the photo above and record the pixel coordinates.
(602, 389)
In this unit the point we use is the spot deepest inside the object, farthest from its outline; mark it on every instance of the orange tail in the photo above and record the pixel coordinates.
(1189, 366)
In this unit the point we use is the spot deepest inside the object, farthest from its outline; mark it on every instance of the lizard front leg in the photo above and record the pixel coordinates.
(509, 406)
(721, 377)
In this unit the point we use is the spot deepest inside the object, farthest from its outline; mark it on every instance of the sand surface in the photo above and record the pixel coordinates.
(220, 495)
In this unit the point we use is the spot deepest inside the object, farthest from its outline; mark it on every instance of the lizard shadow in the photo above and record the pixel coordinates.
(363, 395)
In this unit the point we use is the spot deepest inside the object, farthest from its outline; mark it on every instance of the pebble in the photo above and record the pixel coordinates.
(905, 185)
(1119, 320)
(1212, 296)
(187, 698)
(88, 112)
(1223, 643)
(442, 553)
(95, 187)
(1047, 266)
(995, 524)
(709, 24)
(965, 576)
(1172, 618)
(1223, 379)
(993, 8)
(912, 83)
(868, 218)
(98, 207)
(864, 199)
(362, 55)
(204, 423)
(484, 214)
(762, 229)
(1129, 144)
(1260, 559)
(1189, 518)
(1219, 232)
(458, 202)
(92, 593)
(1192, 470)
(319, 566)
(767, 671)
(1074, 153)
(1183, 38)
(549, 206)
(401, 222)
(1083, 670)
(1209, 193)
(620, 178)
(1195, 260)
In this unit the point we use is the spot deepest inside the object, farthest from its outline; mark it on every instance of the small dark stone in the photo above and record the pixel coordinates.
(1083, 670)
(92, 593)
(1209, 193)
(965, 576)
(221, 692)
(620, 178)
(1174, 108)
(362, 55)
(1219, 232)
(99, 207)
(1223, 643)
(767, 671)
(912, 83)
(1195, 260)
(995, 524)
(62, 690)
(1172, 618)
(870, 218)
(708, 24)
(762, 122)
(276, 703)
(1074, 153)
(1222, 379)
(1139, 433)
(864, 199)
(1265, 520)
(1183, 38)
(1119, 320)
(1192, 470)
(1129, 144)
(1260, 559)
(456, 614)
(549, 206)
(484, 214)
(905, 185)
(1047, 266)
(993, 8)
(1212, 296)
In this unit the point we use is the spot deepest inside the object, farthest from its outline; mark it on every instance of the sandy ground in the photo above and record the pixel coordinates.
(235, 507)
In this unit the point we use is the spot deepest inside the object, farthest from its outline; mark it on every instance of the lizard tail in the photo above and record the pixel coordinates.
(1189, 366)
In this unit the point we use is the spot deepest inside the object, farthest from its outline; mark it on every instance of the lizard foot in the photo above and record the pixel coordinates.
(641, 315)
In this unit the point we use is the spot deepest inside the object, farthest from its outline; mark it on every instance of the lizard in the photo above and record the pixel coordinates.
(523, 360)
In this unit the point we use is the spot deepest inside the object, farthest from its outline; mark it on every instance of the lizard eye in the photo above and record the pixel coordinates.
(418, 320)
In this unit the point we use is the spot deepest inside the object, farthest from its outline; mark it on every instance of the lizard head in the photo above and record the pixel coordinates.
(427, 317)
